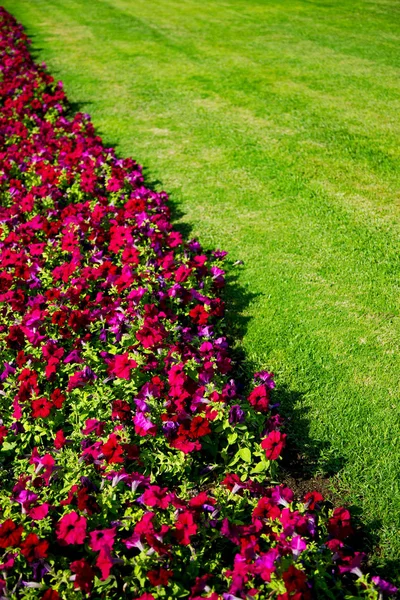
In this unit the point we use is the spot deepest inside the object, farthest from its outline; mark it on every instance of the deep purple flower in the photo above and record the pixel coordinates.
(267, 378)
(236, 415)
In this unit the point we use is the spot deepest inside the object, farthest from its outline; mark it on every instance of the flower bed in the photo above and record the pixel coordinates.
(131, 466)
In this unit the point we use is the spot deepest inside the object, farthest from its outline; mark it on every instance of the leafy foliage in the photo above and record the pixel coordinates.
(130, 463)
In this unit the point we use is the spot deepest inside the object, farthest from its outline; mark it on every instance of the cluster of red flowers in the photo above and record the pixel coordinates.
(131, 465)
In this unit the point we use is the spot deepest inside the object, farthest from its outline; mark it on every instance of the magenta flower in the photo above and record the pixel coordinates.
(143, 426)
(298, 545)
(38, 513)
(101, 538)
(259, 398)
(25, 498)
(71, 529)
(156, 496)
(81, 378)
(265, 564)
(121, 366)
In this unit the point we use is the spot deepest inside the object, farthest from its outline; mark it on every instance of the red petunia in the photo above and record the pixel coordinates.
(159, 577)
(120, 410)
(41, 408)
(199, 315)
(274, 444)
(295, 580)
(259, 398)
(84, 575)
(339, 524)
(10, 534)
(71, 529)
(199, 427)
(58, 398)
(3, 433)
(59, 440)
(33, 548)
(112, 450)
(312, 498)
(185, 527)
(51, 595)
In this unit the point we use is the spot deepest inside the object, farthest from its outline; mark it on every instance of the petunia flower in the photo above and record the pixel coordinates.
(51, 594)
(298, 545)
(84, 575)
(113, 450)
(10, 534)
(143, 425)
(100, 538)
(273, 444)
(121, 366)
(236, 415)
(25, 498)
(384, 586)
(156, 496)
(59, 440)
(33, 548)
(37, 513)
(259, 398)
(158, 577)
(41, 408)
(71, 529)
(185, 527)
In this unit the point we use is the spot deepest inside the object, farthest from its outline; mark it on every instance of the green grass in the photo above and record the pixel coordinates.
(274, 126)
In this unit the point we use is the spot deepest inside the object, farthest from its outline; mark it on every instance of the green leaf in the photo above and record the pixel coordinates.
(8, 446)
(232, 437)
(260, 467)
(245, 454)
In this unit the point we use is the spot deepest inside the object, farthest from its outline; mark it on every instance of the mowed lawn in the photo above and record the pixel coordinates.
(275, 127)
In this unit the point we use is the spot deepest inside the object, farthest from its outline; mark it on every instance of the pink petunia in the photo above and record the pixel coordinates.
(121, 366)
(101, 538)
(39, 512)
(144, 426)
(71, 529)
(156, 496)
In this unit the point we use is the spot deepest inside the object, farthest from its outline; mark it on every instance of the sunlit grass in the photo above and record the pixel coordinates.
(274, 126)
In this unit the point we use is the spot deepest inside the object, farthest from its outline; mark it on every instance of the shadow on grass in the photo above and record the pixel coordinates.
(307, 464)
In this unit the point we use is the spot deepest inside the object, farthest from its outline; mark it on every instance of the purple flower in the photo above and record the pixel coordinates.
(169, 428)
(236, 415)
(8, 370)
(219, 253)
(267, 378)
(73, 357)
(384, 586)
(40, 569)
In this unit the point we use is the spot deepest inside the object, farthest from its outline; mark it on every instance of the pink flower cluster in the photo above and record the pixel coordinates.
(131, 465)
